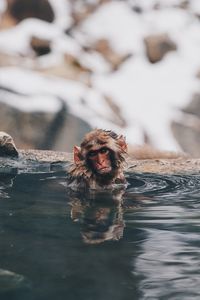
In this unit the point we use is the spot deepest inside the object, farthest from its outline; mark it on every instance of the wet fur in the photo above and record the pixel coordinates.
(82, 176)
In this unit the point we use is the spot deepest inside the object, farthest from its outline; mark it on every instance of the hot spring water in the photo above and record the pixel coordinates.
(59, 245)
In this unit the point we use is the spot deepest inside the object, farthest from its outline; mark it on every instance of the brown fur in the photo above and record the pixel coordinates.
(81, 176)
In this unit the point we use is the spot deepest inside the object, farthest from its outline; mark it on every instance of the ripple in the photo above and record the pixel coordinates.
(10, 281)
(164, 185)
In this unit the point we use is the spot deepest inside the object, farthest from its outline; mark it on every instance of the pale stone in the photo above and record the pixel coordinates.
(157, 46)
(7, 145)
(49, 159)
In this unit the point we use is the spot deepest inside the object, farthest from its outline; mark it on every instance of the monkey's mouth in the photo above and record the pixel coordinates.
(104, 170)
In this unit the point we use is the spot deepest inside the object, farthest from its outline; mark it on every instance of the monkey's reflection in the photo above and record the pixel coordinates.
(100, 214)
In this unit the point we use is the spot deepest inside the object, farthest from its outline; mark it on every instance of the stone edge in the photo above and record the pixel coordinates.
(156, 166)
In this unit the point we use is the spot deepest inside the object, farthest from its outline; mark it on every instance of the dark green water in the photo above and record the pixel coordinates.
(67, 246)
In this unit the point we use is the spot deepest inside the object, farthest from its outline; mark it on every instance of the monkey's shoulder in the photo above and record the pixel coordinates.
(82, 183)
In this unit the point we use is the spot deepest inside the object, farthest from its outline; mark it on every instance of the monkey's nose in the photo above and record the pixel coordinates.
(100, 165)
(100, 160)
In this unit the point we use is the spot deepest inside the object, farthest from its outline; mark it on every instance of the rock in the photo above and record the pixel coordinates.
(157, 46)
(194, 106)
(70, 68)
(10, 60)
(187, 129)
(187, 134)
(81, 10)
(198, 74)
(40, 46)
(184, 4)
(18, 10)
(112, 57)
(7, 145)
(40, 160)
(23, 9)
(149, 152)
(35, 129)
(70, 134)
(7, 21)
(117, 116)
(176, 166)
(77, 70)
(58, 130)
(136, 8)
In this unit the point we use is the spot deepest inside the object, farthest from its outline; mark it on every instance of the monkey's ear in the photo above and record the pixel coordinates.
(122, 143)
(77, 154)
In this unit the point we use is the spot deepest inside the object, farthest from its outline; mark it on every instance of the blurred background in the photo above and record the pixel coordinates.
(133, 66)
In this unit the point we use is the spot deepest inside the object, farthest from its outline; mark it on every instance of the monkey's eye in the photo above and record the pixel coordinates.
(92, 153)
(104, 150)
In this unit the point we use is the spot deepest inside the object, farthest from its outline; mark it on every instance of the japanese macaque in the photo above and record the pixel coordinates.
(99, 161)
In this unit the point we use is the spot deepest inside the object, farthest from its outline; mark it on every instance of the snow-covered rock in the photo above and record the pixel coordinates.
(111, 84)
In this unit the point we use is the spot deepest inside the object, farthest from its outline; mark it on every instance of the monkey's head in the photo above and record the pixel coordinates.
(102, 152)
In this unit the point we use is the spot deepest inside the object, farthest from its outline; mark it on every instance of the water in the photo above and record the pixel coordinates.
(59, 245)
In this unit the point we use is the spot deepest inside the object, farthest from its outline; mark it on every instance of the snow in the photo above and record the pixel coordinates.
(62, 13)
(147, 5)
(195, 6)
(32, 103)
(123, 30)
(2, 6)
(148, 95)
(16, 39)
(95, 62)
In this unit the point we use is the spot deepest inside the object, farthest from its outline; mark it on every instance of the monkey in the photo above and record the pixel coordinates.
(99, 162)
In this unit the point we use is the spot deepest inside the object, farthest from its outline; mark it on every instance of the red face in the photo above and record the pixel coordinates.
(100, 160)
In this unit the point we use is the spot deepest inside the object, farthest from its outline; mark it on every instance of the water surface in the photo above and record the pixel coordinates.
(141, 244)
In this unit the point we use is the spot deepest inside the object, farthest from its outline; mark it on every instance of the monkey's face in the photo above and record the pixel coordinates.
(100, 161)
